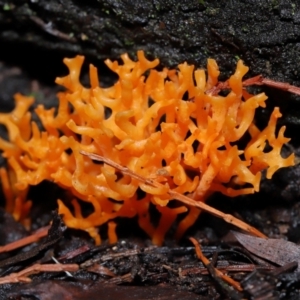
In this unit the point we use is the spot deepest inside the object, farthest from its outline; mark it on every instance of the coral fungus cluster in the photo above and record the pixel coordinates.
(164, 125)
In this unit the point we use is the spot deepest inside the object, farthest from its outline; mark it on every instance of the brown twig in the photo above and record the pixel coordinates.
(256, 80)
(42, 232)
(22, 276)
(280, 85)
(210, 268)
(227, 268)
(127, 278)
(101, 270)
(186, 200)
(74, 253)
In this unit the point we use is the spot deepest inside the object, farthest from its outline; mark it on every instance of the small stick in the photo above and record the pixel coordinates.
(57, 262)
(186, 200)
(101, 270)
(256, 80)
(121, 279)
(227, 268)
(280, 85)
(42, 232)
(217, 272)
(22, 276)
(74, 253)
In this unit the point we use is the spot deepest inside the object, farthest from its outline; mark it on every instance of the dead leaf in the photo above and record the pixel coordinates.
(277, 251)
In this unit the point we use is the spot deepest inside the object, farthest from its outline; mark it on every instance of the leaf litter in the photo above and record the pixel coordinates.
(107, 269)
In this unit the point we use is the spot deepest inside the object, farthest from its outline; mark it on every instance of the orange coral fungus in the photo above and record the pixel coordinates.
(153, 131)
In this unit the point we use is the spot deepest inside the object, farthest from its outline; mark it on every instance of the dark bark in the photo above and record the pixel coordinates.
(263, 33)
